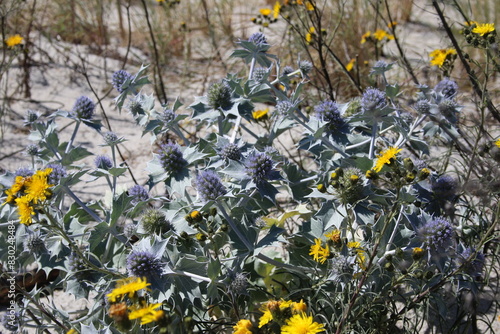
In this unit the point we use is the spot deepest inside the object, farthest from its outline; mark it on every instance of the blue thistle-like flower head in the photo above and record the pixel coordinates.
(138, 194)
(119, 78)
(111, 138)
(34, 243)
(329, 112)
(230, 151)
(84, 108)
(287, 70)
(78, 267)
(259, 166)
(171, 158)
(475, 266)
(449, 109)
(58, 172)
(129, 230)
(103, 162)
(305, 66)
(24, 172)
(32, 150)
(258, 39)
(238, 283)
(422, 106)
(373, 99)
(444, 187)
(436, 233)
(259, 73)
(167, 115)
(143, 264)
(31, 117)
(209, 185)
(447, 87)
(155, 222)
(283, 107)
(219, 96)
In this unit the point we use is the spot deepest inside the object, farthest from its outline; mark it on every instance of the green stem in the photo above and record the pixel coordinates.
(70, 142)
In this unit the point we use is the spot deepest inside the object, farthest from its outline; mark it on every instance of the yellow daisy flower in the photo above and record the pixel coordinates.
(392, 24)
(144, 310)
(127, 286)
(302, 324)
(385, 157)
(265, 318)
(243, 326)
(350, 65)
(16, 187)
(299, 307)
(334, 236)
(25, 210)
(37, 187)
(276, 10)
(319, 253)
(497, 142)
(260, 114)
(380, 34)
(154, 316)
(439, 56)
(483, 29)
(365, 36)
(265, 11)
(309, 6)
(14, 40)
(310, 34)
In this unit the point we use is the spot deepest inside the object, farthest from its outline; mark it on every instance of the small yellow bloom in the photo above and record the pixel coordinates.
(392, 24)
(497, 142)
(71, 331)
(276, 9)
(319, 253)
(37, 187)
(439, 56)
(265, 11)
(127, 286)
(309, 6)
(310, 35)
(384, 158)
(195, 214)
(260, 114)
(265, 318)
(14, 40)
(243, 326)
(303, 324)
(380, 34)
(417, 253)
(137, 311)
(25, 210)
(16, 187)
(153, 316)
(350, 65)
(299, 307)
(353, 244)
(483, 29)
(365, 36)
(334, 236)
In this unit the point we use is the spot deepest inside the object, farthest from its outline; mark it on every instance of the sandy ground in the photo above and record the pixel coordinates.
(56, 86)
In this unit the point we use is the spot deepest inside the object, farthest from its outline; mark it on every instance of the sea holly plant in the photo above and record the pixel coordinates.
(232, 234)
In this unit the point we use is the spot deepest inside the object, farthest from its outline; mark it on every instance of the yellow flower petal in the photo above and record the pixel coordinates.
(483, 29)
(265, 11)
